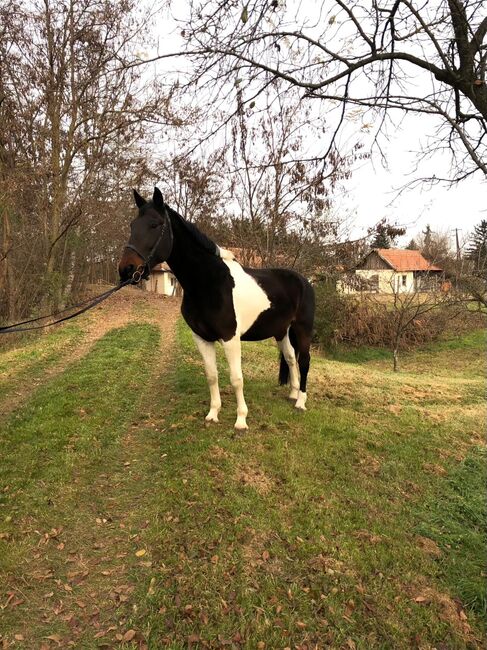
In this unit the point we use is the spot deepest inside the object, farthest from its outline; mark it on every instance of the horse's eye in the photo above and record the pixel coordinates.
(154, 225)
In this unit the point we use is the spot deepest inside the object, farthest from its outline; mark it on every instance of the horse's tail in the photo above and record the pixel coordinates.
(283, 367)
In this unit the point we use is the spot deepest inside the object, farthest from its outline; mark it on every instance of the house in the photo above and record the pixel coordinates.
(162, 280)
(392, 270)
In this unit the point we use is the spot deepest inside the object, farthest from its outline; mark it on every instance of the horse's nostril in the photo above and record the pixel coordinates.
(126, 271)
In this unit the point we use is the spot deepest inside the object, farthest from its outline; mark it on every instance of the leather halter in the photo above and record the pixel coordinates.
(146, 266)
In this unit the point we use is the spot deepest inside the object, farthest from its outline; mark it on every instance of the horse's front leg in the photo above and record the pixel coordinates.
(233, 353)
(208, 352)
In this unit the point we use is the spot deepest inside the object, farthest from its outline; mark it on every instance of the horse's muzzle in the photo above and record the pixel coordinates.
(129, 264)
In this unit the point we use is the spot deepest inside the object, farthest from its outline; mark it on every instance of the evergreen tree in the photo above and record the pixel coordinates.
(381, 238)
(477, 248)
(412, 246)
(427, 240)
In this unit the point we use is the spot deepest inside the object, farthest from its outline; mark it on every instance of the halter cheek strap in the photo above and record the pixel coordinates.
(139, 272)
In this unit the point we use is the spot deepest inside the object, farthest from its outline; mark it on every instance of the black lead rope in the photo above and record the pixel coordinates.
(85, 306)
(92, 302)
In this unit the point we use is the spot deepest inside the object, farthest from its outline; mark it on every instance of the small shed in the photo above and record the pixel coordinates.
(393, 270)
(162, 280)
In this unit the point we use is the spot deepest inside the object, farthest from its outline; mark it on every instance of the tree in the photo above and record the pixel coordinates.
(408, 311)
(472, 275)
(74, 117)
(427, 59)
(435, 247)
(282, 211)
(381, 239)
(477, 246)
(385, 234)
(197, 189)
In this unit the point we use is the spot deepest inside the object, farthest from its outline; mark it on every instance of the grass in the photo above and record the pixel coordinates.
(304, 530)
(357, 524)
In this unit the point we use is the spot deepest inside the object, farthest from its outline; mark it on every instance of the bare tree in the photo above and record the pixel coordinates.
(74, 118)
(196, 188)
(379, 57)
(282, 212)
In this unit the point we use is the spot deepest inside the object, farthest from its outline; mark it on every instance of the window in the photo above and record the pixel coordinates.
(404, 279)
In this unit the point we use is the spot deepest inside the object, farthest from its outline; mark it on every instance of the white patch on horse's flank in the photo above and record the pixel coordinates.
(225, 254)
(249, 299)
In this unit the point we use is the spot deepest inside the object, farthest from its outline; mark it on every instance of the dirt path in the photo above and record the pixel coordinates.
(119, 310)
(75, 578)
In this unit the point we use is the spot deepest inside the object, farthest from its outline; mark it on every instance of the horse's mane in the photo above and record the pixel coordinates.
(205, 242)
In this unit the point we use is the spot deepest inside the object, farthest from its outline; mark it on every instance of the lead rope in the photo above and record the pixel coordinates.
(92, 302)
(85, 306)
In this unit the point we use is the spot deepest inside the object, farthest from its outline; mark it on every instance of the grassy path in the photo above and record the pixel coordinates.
(124, 522)
(73, 479)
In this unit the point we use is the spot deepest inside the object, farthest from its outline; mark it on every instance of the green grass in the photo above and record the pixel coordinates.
(454, 517)
(303, 530)
(355, 524)
(29, 362)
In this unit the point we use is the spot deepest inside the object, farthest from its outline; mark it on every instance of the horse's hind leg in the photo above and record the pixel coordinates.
(289, 355)
(208, 353)
(301, 332)
(303, 337)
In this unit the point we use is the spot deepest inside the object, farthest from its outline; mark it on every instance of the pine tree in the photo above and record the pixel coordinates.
(477, 248)
(412, 246)
(381, 239)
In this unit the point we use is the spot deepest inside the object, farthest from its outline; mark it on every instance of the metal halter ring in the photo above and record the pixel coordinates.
(138, 273)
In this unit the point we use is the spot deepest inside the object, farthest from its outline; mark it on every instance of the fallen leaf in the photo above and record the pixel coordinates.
(266, 556)
(129, 635)
(54, 637)
(141, 552)
(214, 559)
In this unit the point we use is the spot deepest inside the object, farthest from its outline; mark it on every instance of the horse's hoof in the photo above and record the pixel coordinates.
(301, 402)
(211, 420)
(240, 427)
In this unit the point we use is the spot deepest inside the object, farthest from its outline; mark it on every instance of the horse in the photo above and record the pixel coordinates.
(224, 301)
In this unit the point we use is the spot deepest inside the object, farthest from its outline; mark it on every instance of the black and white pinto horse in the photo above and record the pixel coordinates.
(223, 301)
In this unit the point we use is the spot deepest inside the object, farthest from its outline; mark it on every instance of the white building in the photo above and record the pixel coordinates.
(392, 270)
(162, 280)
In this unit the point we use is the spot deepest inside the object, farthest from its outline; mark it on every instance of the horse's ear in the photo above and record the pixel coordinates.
(158, 199)
(139, 200)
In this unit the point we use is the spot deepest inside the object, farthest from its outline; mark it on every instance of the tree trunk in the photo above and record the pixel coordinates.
(5, 288)
(396, 359)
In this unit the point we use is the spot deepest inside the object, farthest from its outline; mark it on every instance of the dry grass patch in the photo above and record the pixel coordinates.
(254, 477)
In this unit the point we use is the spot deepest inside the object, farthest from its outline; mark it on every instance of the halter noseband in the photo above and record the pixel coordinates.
(139, 271)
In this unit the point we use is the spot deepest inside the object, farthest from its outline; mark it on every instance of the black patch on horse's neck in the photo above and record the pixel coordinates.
(196, 235)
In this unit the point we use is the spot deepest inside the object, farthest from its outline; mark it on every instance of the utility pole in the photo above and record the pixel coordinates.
(457, 241)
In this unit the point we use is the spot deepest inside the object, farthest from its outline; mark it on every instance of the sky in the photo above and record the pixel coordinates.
(376, 190)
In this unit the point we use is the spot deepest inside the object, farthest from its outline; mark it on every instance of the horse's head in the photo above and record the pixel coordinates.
(150, 241)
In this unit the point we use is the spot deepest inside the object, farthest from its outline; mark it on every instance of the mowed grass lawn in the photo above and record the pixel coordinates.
(125, 522)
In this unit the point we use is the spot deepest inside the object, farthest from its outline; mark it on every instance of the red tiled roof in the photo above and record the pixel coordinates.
(405, 260)
(162, 267)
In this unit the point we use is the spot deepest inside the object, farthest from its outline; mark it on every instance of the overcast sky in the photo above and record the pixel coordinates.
(374, 190)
